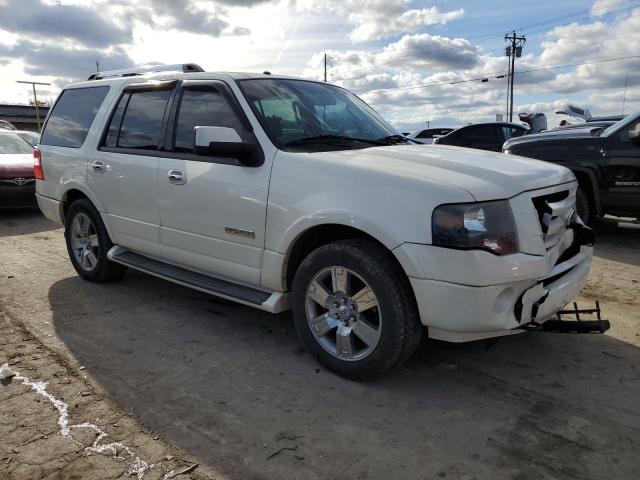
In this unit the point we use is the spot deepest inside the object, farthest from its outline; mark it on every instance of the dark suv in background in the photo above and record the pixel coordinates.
(606, 162)
(485, 136)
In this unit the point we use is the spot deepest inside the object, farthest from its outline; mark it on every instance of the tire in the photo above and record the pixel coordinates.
(88, 243)
(355, 334)
(583, 207)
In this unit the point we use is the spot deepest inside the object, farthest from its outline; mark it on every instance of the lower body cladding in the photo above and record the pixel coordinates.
(476, 294)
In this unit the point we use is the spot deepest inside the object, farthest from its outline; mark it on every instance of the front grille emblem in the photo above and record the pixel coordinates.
(20, 181)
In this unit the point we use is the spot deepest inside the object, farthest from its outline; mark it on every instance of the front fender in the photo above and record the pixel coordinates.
(373, 227)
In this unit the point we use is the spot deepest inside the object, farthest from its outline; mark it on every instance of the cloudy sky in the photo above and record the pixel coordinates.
(413, 60)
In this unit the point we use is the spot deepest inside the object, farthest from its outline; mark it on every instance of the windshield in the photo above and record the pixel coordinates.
(298, 110)
(620, 125)
(12, 143)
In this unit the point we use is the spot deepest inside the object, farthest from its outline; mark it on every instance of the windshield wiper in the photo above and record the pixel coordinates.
(331, 138)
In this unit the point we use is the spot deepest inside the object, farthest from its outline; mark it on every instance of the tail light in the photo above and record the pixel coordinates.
(37, 165)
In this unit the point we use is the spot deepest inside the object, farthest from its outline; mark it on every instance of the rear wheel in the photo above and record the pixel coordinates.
(88, 243)
(354, 309)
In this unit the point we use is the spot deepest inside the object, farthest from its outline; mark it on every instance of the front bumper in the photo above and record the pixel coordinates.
(494, 295)
(17, 196)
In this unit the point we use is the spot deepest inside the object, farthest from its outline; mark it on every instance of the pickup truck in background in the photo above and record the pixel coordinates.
(606, 162)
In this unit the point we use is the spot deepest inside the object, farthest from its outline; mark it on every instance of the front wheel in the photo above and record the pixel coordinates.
(583, 207)
(354, 309)
(88, 243)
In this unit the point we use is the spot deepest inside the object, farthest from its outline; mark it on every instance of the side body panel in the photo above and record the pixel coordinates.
(623, 179)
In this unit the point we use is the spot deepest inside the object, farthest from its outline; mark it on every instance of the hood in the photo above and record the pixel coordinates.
(560, 134)
(14, 165)
(485, 175)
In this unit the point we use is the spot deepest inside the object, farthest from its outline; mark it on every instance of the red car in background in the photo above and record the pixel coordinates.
(17, 182)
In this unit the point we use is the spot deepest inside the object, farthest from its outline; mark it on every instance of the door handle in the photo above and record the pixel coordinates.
(97, 165)
(176, 177)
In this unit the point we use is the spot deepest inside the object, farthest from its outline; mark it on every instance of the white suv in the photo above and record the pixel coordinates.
(285, 193)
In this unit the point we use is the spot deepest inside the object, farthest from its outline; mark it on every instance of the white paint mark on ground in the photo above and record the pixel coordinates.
(137, 466)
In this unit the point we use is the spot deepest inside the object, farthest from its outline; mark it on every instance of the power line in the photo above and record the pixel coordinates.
(489, 74)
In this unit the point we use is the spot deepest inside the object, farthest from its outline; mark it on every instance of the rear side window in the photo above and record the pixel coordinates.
(138, 124)
(427, 133)
(202, 108)
(72, 116)
(510, 132)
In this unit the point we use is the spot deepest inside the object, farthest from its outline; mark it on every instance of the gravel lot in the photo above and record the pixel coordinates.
(178, 377)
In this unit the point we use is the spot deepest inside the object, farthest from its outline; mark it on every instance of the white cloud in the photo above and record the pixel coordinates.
(291, 38)
(379, 23)
(377, 19)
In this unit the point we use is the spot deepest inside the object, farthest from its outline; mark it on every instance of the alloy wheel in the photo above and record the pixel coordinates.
(84, 242)
(343, 313)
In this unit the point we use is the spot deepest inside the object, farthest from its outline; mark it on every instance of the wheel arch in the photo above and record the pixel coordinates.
(588, 183)
(68, 198)
(323, 234)
(77, 192)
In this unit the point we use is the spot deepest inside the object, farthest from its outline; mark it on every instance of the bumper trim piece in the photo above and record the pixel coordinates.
(572, 326)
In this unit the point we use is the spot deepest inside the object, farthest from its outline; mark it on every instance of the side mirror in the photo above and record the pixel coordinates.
(221, 142)
(634, 135)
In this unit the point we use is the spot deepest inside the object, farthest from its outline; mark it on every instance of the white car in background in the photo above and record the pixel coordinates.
(428, 135)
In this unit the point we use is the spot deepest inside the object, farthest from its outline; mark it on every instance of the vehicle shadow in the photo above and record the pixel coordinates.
(234, 387)
(24, 221)
(618, 243)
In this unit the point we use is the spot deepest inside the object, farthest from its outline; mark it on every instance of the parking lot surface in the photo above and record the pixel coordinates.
(233, 389)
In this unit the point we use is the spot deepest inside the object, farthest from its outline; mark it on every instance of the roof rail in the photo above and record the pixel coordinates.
(131, 72)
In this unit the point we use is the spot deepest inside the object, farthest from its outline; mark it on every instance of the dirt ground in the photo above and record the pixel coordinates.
(145, 378)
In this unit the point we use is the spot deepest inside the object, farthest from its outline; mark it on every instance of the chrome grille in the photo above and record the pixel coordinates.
(555, 212)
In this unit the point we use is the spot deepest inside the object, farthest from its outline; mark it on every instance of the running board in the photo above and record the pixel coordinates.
(270, 301)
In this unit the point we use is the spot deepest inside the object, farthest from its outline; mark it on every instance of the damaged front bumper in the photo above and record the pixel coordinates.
(500, 295)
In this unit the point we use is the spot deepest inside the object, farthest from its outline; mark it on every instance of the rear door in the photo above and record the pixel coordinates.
(623, 152)
(212, 209)
(123, 171)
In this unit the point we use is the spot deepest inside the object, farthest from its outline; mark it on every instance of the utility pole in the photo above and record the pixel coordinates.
(325, 67)
(328, 62)
(35, 98)
(624, 96)
(513, 50)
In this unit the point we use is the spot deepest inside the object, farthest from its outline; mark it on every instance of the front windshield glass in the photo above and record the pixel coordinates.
(12, 143)
(620, 125)
(299, 110)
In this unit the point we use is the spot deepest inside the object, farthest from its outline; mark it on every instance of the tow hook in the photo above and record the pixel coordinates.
(559, 325)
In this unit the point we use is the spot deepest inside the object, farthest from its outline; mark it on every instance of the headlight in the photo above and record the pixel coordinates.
(486, 226)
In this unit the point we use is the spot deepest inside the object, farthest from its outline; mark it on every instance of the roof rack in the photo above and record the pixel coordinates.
(132, 72)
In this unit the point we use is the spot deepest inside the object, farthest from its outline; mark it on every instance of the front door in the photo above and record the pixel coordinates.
(623, 153)
(212, 210)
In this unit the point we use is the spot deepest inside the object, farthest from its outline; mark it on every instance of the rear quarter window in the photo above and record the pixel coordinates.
(72, 116)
